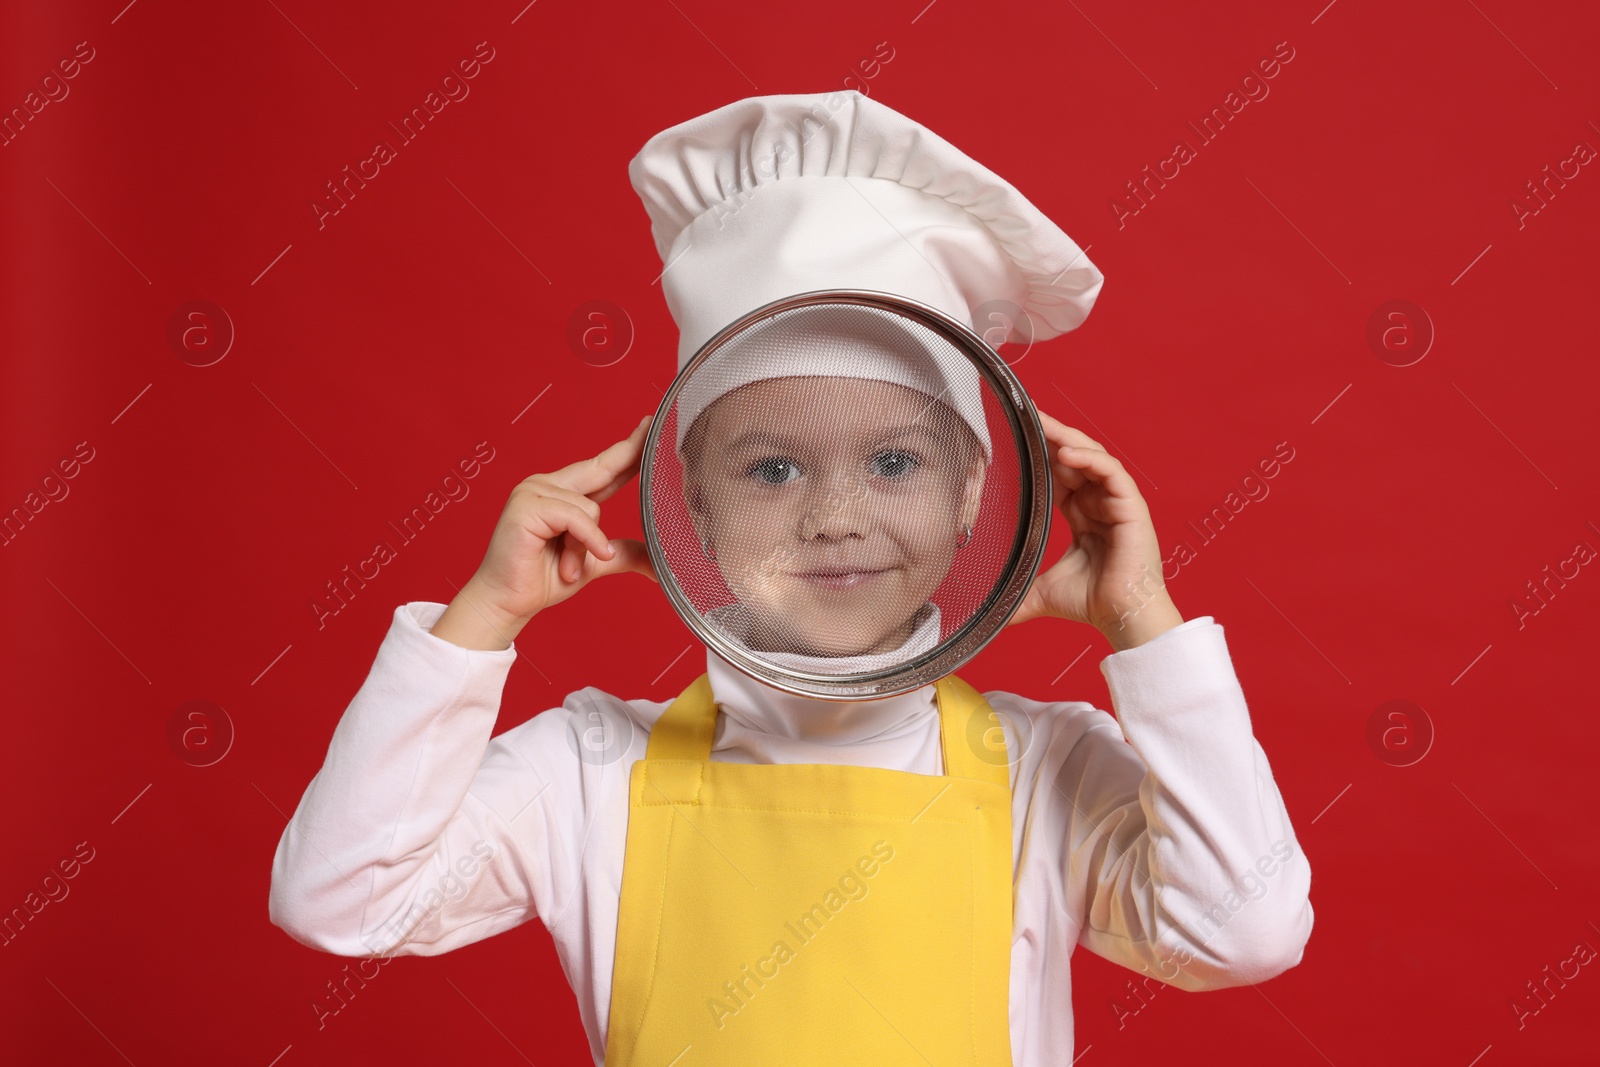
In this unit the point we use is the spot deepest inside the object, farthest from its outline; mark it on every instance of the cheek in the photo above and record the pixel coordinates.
(933, 513)
(751, 532)
(931, 539)
(925, 536)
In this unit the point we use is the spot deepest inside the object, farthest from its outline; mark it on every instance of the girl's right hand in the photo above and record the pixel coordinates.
(548, 543)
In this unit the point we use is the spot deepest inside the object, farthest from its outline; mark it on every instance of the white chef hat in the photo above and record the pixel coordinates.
(771, 196)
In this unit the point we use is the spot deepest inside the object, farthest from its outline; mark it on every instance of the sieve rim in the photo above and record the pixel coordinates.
(1034, 506)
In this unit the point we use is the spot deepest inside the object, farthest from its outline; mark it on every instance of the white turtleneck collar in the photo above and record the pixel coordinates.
(757, 706)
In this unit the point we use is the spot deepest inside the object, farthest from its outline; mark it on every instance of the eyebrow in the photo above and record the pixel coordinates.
(768, 437)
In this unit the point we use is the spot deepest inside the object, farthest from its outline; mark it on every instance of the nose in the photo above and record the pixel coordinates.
(833, 507)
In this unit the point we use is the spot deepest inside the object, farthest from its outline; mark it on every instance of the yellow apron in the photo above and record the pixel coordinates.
(812, 913)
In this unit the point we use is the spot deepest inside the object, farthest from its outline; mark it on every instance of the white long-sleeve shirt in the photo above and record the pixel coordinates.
(1161, 843)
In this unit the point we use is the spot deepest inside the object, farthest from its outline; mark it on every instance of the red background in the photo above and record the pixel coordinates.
(374, 353)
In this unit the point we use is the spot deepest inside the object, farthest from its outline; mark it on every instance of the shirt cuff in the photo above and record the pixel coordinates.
(413, 624)
(1199, 622)
(1182, 678)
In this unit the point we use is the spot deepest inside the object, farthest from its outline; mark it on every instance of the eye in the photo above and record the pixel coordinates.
(771, 469)
(899, 464)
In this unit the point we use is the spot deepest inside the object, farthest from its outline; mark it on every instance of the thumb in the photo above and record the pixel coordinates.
(630, 555)
(1030, 608)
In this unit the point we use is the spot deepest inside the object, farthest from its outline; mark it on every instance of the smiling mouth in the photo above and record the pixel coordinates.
(834, 578)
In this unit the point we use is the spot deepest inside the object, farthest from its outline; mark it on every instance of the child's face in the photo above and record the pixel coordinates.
(789, 477)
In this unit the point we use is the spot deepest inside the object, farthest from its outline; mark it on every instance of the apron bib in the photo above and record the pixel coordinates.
(811, 913)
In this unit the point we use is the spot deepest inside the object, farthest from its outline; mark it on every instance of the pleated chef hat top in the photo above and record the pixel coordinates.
(771, 196)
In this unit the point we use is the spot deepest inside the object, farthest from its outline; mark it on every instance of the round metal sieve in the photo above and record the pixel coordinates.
(846, 493)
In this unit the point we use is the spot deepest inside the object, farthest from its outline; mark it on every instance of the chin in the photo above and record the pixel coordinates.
(832, 639)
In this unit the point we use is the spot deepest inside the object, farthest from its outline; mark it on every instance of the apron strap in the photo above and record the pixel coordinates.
(688, 726)
(972, 742)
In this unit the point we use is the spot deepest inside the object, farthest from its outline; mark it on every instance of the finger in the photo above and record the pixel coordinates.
(575, 556)
(1071, 498)
(1059, 433)
(562, 517)
(630, 556)
(1071, 475)
(573, 553)
(622, 479)
(617, 462)
(1028, 609)
(1084, 466)
(1094, 465)
(626, 475)
(583, 503)
(549, 485)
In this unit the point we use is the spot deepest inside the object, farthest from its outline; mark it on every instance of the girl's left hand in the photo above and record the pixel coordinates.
(1111, 576)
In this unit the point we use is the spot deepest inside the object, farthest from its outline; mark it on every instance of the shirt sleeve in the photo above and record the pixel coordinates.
(1181, 860)
(420, 834)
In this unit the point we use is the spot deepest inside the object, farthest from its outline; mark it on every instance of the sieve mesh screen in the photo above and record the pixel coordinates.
(813, 482)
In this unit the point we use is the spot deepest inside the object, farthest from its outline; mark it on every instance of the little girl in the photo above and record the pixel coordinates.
(828, 482)
(1157, 839)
